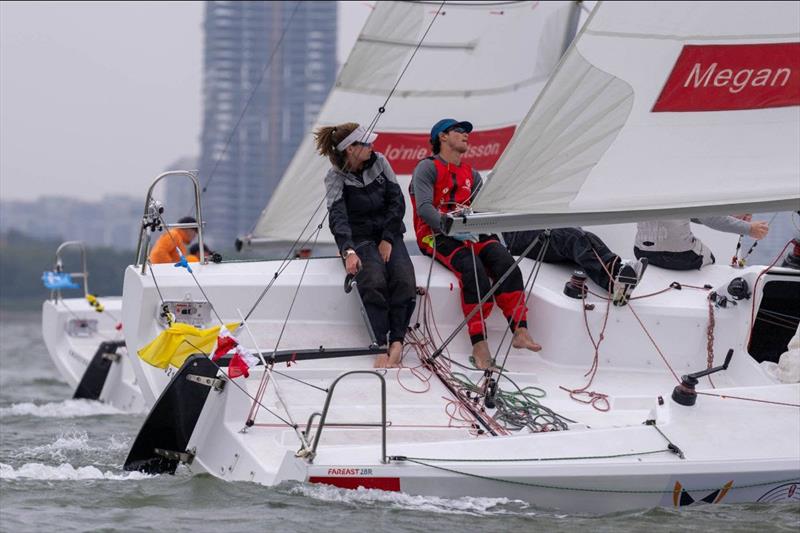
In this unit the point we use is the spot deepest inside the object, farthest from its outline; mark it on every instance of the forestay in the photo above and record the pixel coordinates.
(659, 109)
(484, 62)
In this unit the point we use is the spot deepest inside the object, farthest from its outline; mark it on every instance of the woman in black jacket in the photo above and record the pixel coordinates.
(366, 208)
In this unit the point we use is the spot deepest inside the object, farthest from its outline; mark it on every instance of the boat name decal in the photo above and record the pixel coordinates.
(349, 471)
(725, 77)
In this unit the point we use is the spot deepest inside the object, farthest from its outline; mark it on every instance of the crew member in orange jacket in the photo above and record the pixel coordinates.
(166, 248)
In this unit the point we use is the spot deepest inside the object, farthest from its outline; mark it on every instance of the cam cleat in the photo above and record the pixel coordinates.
(628, 277)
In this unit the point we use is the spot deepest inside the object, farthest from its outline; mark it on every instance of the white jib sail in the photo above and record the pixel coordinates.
(483, 62)
(659, 109)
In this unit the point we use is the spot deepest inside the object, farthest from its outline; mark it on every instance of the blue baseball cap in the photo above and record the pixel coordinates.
(446, 124)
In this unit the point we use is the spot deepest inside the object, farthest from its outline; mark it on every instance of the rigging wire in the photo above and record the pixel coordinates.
(737, 261)
(528, 288)
(382, 108)
(189, 270)
(288, 260)
(369, 130)
(263, 388)
(252, 94)
(373, 123)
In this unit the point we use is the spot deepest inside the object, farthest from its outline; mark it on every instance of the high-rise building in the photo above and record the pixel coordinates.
(280, 88)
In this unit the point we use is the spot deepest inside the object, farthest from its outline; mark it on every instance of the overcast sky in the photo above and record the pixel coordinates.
(98, 98)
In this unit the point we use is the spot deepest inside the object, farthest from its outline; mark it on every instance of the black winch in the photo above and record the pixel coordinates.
(576, 285)
(684, 393)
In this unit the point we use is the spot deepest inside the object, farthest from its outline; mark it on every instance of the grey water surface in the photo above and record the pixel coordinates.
(61, 470)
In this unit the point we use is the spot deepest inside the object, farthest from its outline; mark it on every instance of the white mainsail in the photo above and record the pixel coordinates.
(467, 67)
(658, 110)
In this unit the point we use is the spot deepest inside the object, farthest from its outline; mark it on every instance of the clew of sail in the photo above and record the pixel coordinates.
(658, 110)
(482, 62)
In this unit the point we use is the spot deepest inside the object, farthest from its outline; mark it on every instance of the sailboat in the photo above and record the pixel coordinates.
(84, 338)
(661, 402)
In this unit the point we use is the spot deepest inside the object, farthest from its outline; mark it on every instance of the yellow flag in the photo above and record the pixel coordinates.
(178, 342)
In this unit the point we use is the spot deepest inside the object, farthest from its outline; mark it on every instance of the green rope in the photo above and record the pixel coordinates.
(516, 409)
(579, 489)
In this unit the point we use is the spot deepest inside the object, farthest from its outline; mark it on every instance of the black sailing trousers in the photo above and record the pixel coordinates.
(569, 245)
(388, 290)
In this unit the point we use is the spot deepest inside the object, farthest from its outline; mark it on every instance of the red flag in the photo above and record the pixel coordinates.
(242, 358)
(224, 345)
(238, 367)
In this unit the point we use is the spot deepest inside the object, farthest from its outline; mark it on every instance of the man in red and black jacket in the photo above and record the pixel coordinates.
(441, 184)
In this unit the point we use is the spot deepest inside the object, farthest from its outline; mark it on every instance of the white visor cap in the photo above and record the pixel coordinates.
(358, 135)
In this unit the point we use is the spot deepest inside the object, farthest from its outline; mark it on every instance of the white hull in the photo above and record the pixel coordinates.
(73, 331)
(750, 447)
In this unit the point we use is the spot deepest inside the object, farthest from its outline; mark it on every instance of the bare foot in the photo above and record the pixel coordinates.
(395, 354)
(522, 339)
(482, 355)
(381, 361)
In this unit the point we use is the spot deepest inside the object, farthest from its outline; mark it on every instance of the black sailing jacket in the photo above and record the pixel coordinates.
(365, 206)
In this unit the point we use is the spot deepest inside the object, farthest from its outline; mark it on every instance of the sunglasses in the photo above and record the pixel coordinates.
(359, 143)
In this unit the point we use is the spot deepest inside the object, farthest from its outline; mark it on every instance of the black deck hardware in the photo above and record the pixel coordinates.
(184, 457)
(684, 394)
(95, 375)
(739, 289)
(576, 285)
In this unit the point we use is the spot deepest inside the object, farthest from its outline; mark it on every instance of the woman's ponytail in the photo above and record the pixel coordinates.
(328, 138)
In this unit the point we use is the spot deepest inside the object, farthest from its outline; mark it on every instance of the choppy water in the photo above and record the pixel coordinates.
(61, 469)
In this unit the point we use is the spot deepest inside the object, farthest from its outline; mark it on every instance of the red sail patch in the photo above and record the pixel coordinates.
(723, 77)
(404, 150)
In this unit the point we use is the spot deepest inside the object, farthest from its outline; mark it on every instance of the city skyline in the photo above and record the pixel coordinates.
(98, 98)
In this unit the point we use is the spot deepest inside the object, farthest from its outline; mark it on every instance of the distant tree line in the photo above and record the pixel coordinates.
(23, 259)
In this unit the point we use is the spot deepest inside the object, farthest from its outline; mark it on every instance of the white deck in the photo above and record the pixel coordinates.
(754, 442)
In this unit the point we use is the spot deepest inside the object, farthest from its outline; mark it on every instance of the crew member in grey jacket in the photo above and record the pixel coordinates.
(671, 243)
(366, 208)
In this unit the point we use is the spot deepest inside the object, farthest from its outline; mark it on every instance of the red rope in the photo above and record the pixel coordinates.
(710, 340)
(727, 396)
(663, 357)
(262, 387)
(597, 400)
